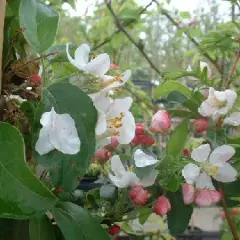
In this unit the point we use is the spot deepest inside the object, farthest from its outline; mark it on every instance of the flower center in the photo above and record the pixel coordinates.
(211, 170)
(220, 104)
(117, 79)
(114, 124)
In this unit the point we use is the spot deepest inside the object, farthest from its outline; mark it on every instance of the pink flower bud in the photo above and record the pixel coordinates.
(102, 155)
(113, 144)
(138, 195)
(147, 140)
(186, 152)
(35, 79)
(188, 192)
(136, 140)
(200, 125)
(114, 229)
(206, 197)
(162, 206)
(140, 129)
(114, 66)
(161, 122)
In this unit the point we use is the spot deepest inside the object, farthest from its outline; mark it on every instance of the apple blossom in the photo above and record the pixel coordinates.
(206, 197)
(162, 206)
(161, 122)
(138, 195)
(218, 103)
(142, 159)
(188, 192)
(233, 119)
(210, 165)
(58, 132)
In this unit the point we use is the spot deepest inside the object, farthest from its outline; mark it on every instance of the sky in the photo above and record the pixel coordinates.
(87, 6)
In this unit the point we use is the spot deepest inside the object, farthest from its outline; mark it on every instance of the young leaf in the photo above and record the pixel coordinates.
(22, 195)
(76, 224)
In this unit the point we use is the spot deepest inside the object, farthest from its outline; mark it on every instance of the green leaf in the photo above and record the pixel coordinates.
(41, 228)
(181, 113)
(76, 224)
(180, 214)
(164, 89)
(40, 23)
(178, 139)
(185, 15)
(23, 195)
(66, 169)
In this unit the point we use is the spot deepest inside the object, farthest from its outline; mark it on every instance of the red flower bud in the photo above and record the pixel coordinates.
(200, 125)
(136, 140)
(186, 152)
(188, 192)
(59, 189)
(147, 140)
(162, 206)
(102, 155)
(113, 144)
(161, 122)
(114, 66)
(138, 195)
(206, 197)
(35, 79)
(114, 229)
(140, 129)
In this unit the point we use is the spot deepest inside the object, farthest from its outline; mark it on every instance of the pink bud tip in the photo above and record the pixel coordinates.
(140, 129)
(200, 125)
(186, 152)
(138, 195)
(34, 79)
(114, 66)
(162, 206)
(147, 140)
(206, 197)
(102, 155)
(188, 192)
(114, 229)
(113, 144)
(161, 122)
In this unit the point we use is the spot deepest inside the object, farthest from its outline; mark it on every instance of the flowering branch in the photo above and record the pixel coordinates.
(122, 29)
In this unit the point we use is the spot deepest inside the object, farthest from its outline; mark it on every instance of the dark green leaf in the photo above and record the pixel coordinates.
(178, 139)
(66, 169)
(24, 195)
(76, 224)
(180, 214)
(41, 228)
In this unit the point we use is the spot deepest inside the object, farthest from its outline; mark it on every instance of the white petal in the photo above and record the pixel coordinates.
(231, 98)
(127, 131)
(103, 142)
(101, 126)
(82, 54)
(220, 96)
(43, 144)
(141, 159)
(73, 61)
(126, 180)
(206, 110)
(117, 166)
(99, 65)
(201, 153)
(233, 119)
(149, 179)
(221, 154)
(190, 172)
(101, 101)
(64, 135)
(204, 181)
(48, 118)
(226, 173)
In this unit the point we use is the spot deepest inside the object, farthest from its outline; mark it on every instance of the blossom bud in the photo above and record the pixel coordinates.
(136, 140)
(206, 197)
(35, 79)
(114, 229)
(161, 122)
(138, 195)
(102, 155)
(188, 192)
(114, 66)
(113, 144)
(200, 125)
(140, 129)
(162, 206)
(186, 152)
(147, 140)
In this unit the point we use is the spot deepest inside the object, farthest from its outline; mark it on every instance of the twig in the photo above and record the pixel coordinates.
(2, 16)
(234, 66)
(122, 29)
(228, 216)
(109, 39)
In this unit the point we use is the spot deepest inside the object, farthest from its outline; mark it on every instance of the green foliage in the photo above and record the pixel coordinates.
(76, 224)
(24, 195)
(66, 169)
(40, 23)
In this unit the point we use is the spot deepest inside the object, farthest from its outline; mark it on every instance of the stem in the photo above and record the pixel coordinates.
(2, 16)
(227, 214)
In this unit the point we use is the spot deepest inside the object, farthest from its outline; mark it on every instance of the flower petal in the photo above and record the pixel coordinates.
(231, 98)
(129, 179)
(201, 153)
(142, 159)
(99, 65)
(127, 131)
(74, 61)
(190, 172)
(101, 126)
(204, 181)
(43, 144)
(206, 198)
(149, 179)
(48, 118)
(82, 54)
(117, 166)
(233, 119)
(221, 154)
(226, 173)
(206, 110)
(64, 135)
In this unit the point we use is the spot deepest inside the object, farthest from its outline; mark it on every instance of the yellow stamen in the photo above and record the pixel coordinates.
(115, 123)
(211, 170)
(118, 78)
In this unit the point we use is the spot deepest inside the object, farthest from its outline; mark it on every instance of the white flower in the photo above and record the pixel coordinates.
(233, 119)
(203, 65)
(58, 132)
(217, 104)
(123, 178)
(114, 118)
(141, 159)
(210, 165)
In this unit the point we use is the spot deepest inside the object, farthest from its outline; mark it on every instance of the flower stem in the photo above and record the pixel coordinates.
(227, 214)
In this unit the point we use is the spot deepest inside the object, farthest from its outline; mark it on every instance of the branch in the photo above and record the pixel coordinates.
(2, 16)
(109, 39)
(122, 29)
